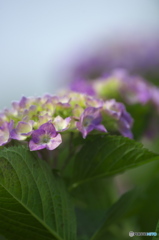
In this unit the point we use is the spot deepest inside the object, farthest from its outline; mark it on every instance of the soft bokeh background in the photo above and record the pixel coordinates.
(37, 37)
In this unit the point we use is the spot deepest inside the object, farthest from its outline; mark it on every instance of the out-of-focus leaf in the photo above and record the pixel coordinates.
(2, 237)
(124, 206)
(95, 195)
(92, 200)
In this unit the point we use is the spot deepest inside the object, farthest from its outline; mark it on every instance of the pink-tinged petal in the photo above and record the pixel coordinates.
(3, 118)
(10, 125)
(61, 124)
(4, 134)
(45, 137)
(64, 99)
(20, 137)
(34, 147)
(84, 133)
(10, 113)
(64, 105)
(22, 130)
(24, 127)
(54, 142)
(4, 139)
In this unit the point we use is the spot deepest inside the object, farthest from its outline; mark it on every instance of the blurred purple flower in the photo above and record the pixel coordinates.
(91, 68)
(139, 57)
(136, 90)
(82, 86)
(155, 97)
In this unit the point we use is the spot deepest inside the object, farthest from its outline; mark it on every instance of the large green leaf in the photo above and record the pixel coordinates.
(33, 202)
(106, 155)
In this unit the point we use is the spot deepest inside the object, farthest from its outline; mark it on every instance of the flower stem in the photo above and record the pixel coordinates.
(70, 151)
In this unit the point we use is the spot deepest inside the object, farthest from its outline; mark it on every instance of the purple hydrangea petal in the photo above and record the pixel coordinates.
(64, 102)
(101, 128)
(122, 118)
(94, 102)
(61, 124)
(126, 132)
(22, 130)
(113, 108)
(49, 129)
(54, 142)
(126, 119)
(34, 147)
(23, 102)
(90, 120)
(36, 142)
(136, 90)
(4, 134)
(45, 137)
(37, 135)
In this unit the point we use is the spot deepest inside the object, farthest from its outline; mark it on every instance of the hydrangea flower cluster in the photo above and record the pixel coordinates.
(42, 121)
(121, 85)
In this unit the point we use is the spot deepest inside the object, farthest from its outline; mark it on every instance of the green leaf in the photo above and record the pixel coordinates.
(33, 201)
(105, 155)
(138, 207)
(87, 221)
(150, 204)
(129, 202)
(92, 200)
(95, 195)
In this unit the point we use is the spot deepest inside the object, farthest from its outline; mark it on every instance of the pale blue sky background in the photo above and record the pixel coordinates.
(36, 36)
